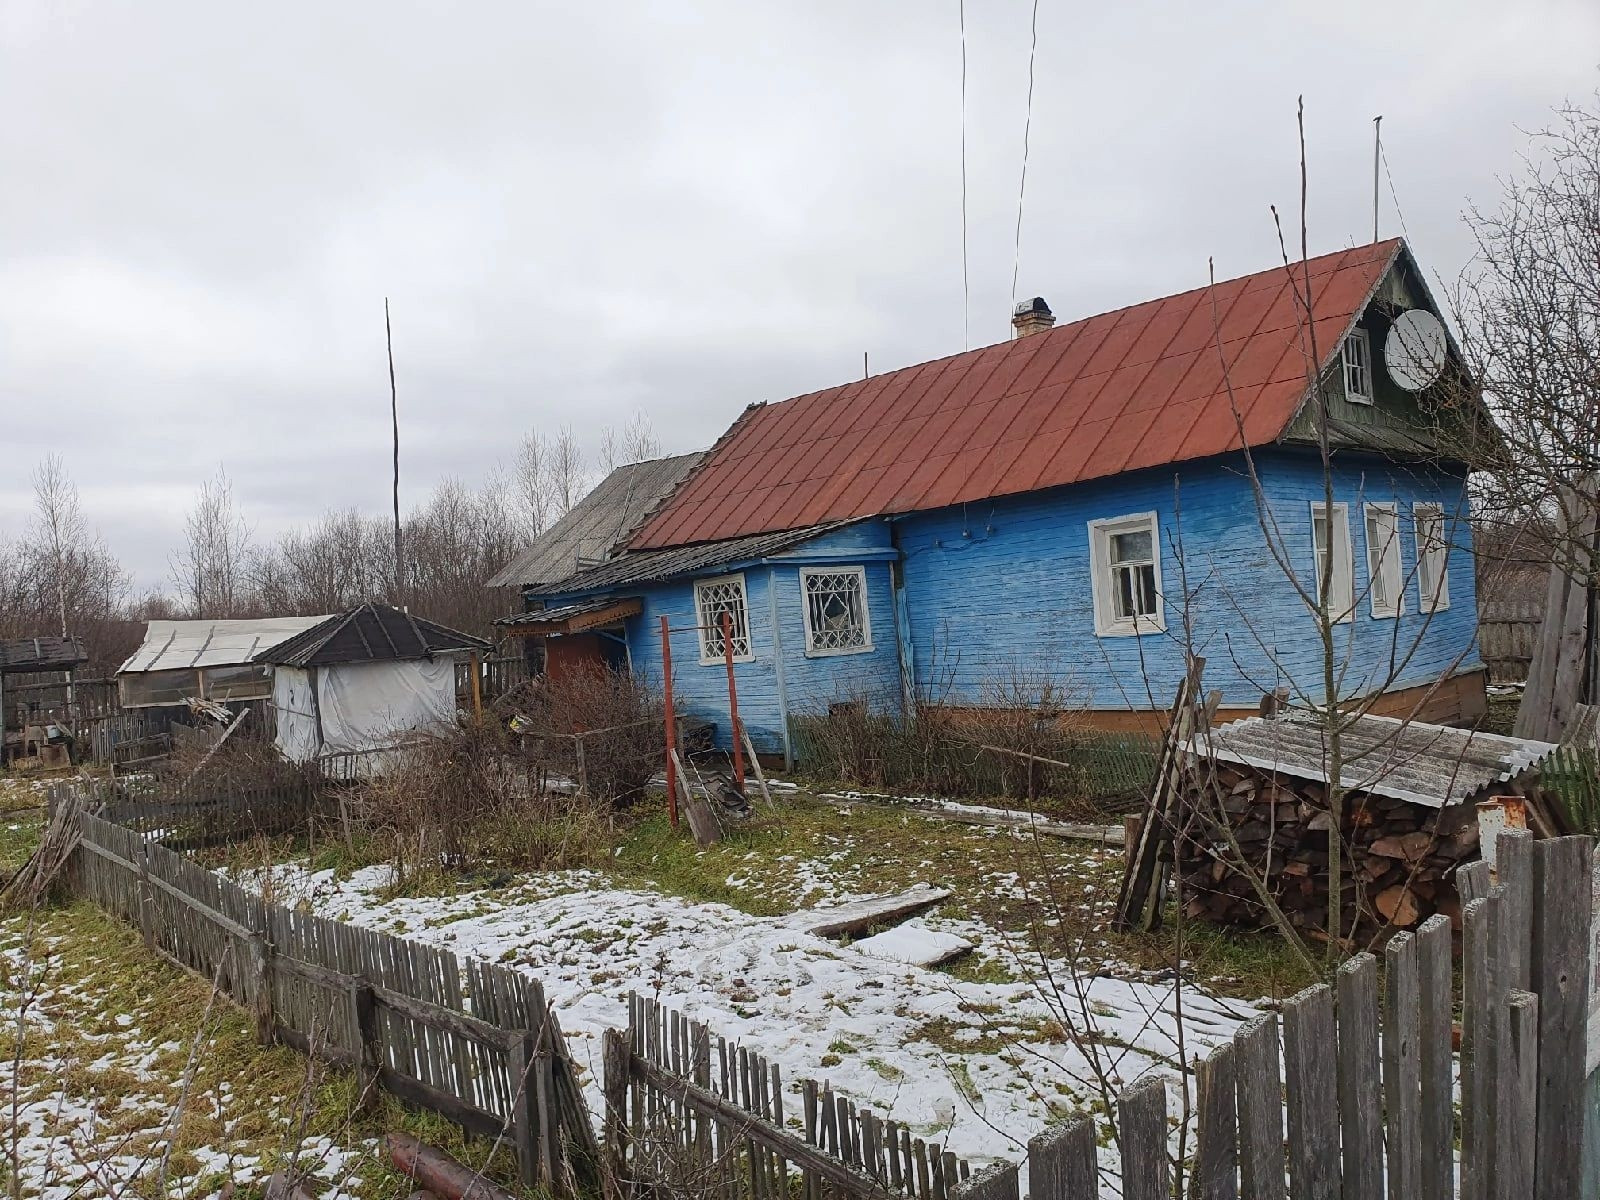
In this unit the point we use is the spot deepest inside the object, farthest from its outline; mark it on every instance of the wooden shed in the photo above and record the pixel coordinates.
(1257, 814)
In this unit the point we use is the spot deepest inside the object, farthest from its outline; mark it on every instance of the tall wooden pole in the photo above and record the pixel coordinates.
(394, 417)
(733, 703)
(671, 723)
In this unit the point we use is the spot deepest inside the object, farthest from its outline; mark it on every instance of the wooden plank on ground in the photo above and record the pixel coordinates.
(874, 910)
(913, 943)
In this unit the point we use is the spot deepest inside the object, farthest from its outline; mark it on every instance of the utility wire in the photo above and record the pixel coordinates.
(966, 290)
(1027, 128)
(1393, 195)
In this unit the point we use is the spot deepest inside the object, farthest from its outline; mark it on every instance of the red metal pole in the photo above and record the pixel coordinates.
(671, 722)
(733, 703)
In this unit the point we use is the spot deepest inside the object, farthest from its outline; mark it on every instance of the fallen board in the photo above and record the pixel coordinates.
(913, 943)
(874, 910)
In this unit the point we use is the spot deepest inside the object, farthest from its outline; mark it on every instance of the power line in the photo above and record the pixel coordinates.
(966, 290)
(1394, 195)
(1027, 129)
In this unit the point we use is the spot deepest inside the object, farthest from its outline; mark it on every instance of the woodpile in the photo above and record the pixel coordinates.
(1399, 860)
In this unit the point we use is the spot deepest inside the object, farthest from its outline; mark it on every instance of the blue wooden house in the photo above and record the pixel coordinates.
(1086, 503)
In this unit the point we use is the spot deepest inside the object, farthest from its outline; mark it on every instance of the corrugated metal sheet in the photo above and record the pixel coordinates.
(598, 524)
(370, 633)
(1432, 765)
(176, 645)
(1139, 387)
(571, 618)
(645, 566)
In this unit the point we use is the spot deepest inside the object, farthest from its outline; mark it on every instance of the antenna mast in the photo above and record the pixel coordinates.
(1377, 155)
(394, 417)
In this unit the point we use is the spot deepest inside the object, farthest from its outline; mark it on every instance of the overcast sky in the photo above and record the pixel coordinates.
(583, 210)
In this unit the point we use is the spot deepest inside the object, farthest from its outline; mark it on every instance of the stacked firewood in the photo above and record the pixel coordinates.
(1244, 829)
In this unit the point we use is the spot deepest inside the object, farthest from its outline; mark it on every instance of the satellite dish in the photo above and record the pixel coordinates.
(1414, 351)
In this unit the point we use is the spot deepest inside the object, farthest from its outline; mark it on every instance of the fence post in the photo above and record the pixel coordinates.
(260, 953)
(1360, 1101)
(1216, 1150)
(1519, 1093)
(615, 1087)
(1562, 892)
(583, 770)
(147, 920)
(1142, 1124)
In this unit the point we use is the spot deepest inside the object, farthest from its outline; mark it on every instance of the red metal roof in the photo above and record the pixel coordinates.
(1139, 387)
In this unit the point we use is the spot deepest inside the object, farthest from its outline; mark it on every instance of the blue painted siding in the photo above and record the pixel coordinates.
(778, 652)
(1002, 593)
(1005, 591)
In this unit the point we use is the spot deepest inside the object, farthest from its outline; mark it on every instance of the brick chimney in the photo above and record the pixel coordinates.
(1032, 316)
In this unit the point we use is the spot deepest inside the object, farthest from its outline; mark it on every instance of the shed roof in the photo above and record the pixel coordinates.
(20, 655)
(1431, 765)
(572, 618)
(1139, 387)
(370, 633)
(184, 645)
(599, 523)
(646, 566)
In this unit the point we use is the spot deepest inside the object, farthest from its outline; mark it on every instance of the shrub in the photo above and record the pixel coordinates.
(470, 799)
(598, 727)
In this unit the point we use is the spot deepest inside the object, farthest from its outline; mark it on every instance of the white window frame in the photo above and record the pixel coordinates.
(1343, 563)
(1440, 600)
(812, 649)
(1357, 346)
(709, 656)
(1390, 569)
(1106, 621)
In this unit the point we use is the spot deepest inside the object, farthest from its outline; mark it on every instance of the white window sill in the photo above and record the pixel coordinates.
(722, 662)
(1131, 628)
(842, 652)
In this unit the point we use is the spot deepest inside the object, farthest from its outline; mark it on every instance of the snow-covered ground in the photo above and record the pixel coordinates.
(981, 1066)
(97, 1100)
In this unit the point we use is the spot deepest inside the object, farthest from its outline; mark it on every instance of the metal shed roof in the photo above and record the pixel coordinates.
(179, 645)
(1138, 387)
(599, 523)
(370, 633)
(1431, 765)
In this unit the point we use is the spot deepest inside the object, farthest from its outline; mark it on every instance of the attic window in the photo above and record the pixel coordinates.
(1358, 367)
(712, 598)
(1126, 576)
(836, 611)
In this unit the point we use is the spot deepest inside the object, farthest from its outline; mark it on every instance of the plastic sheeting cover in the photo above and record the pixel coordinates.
(361, 706)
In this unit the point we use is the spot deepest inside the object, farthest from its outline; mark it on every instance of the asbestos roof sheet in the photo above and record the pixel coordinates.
(1431, 765)
(1139, 387)
(370, 633)
(179, 645)
(598, 524)
(645, 566)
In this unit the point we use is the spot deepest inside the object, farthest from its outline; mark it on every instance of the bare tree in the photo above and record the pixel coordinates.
(566, 468)
(634, 442)
(61, 528)
(210, 571)
(1530, 308)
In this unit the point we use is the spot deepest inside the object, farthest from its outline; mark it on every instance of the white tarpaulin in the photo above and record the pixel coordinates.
(352, 707)
(176, 645)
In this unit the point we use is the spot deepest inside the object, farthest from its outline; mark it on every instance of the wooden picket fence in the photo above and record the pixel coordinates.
(187, 817)
(1507, 631)
(689, 1114)
(474, 1042)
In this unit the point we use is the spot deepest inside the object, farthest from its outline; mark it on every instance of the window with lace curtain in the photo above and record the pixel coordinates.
(836, 610)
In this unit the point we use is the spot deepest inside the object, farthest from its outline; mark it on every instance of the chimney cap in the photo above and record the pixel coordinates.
(1035, 306)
